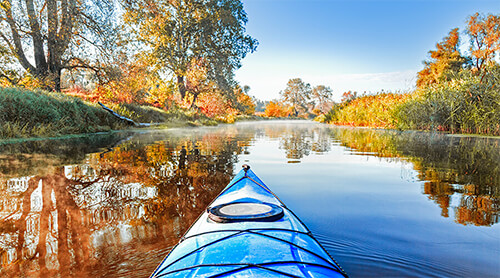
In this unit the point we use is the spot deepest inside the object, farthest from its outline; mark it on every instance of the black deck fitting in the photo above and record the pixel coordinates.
(246, 167)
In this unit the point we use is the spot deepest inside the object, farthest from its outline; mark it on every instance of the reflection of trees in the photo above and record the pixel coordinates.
(98, 217)
(299, 140)
(33, 157)
(467, 168)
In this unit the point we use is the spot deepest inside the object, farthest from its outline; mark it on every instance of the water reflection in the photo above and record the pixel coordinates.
(96, 206)
(461, 174)
(79, 219)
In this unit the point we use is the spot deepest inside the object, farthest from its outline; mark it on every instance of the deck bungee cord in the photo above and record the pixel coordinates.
(247, 230)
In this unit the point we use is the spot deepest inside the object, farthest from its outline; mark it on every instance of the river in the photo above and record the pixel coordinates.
(382, 202)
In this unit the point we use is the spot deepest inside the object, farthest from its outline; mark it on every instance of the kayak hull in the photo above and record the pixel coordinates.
(271, 247)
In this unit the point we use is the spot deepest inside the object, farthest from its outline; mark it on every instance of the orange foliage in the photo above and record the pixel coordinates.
(213, 104)
(445, 58)
(485, 38)
(276, 109)
(348, 96)
(245, 102)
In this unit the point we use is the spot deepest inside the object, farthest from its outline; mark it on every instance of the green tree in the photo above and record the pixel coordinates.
(444, 60)
(48, 36)
(209, 34)
(297, 94)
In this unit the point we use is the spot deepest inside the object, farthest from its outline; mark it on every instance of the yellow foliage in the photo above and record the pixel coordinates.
(276, 109)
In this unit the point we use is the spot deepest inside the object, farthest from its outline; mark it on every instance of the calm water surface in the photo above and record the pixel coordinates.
(383, 203)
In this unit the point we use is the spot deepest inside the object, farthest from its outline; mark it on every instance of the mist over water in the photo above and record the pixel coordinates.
(383, 203)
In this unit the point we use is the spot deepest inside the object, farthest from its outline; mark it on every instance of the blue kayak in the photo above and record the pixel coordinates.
(248, 232)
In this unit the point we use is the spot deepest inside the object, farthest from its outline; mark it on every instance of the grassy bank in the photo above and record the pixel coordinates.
(468, 103)
(25, 113)
(173, 117)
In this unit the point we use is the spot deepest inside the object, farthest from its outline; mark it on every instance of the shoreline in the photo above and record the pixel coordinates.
(189, 124)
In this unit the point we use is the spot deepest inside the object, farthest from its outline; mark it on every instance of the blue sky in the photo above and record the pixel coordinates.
(362, 45)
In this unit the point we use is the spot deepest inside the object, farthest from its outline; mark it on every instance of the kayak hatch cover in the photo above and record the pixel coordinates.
(248, 232)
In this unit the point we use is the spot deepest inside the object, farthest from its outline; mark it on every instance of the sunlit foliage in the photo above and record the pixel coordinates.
(444, 61)
(42, 38)
(277, 109)
(369, 110)
(184, 34)
(468, 103)
(484, 33)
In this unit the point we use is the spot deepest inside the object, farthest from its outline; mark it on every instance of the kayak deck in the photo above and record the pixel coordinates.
(272, 242)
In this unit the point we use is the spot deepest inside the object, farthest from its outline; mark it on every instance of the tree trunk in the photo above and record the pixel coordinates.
(195, 97)
(55, 76)
(181, 85)
(36, 35)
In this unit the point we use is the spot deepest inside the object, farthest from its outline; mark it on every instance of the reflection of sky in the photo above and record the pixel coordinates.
(371, 215)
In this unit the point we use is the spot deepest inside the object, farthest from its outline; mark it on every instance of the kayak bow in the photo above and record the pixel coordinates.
(247, 231)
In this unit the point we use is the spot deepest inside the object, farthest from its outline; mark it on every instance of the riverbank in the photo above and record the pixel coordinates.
(42, 114)
(468, 103)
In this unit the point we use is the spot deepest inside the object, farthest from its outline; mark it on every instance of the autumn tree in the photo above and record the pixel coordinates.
(321, 94)
(277, 109)
(298, 94)
(244, 103)
(445, 59)
(484, 33)
(46, 37)
(349, 96)
(181, 34)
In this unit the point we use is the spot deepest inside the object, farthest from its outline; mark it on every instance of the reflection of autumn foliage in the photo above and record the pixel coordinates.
(477, 210)
(452, 167)
(87, 219)
(300, 141)
(440, 192)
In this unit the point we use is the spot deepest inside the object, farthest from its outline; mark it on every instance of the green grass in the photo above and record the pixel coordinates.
(25, 113)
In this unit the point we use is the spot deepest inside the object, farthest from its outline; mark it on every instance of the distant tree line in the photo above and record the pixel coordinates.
(300, 99)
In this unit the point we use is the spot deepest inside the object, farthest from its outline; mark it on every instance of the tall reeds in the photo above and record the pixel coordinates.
(468, 103)
(370, 110)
